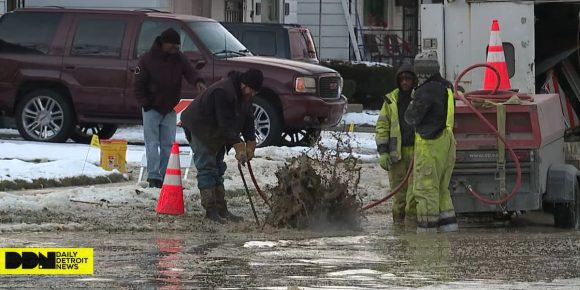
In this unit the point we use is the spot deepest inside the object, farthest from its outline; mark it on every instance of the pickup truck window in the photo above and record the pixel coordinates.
(28, 33)
(151, 29)
(99, 37)
(218, 40)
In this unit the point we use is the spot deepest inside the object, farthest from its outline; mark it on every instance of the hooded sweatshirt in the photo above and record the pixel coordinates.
(158, 78)
(403, 101)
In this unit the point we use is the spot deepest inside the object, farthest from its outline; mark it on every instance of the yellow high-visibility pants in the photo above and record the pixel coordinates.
(397, 174)
(430, 200)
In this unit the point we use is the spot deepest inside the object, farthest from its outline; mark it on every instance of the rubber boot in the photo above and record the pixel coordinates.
(223, 205)
(208, 201)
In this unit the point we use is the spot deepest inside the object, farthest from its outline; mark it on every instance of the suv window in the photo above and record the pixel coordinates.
(151, 29)
(218, 40)
(28, 32)
(261, 42)
(301, 44)
(99, 37)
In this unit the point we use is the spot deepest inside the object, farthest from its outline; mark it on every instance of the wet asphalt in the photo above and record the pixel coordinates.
(527, 254)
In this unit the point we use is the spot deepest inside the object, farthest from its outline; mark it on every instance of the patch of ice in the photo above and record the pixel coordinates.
(355, 272)
(260, 244)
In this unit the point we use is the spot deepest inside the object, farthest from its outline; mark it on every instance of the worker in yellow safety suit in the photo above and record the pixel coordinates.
(431, 112)
(395, 137)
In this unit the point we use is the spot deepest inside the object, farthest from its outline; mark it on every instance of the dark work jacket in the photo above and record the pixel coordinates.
(158, 78)
(220, 115)
(428, 109)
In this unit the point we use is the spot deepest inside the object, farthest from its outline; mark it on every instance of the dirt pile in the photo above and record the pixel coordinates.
(318, 192)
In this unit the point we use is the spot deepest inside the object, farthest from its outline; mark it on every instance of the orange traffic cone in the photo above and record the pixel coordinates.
(171, 196)
(496, 58)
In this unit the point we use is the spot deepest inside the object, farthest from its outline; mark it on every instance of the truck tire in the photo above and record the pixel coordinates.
(83, 133)
(566, 215)
(305, 137)
(44, 115)
(267, 120)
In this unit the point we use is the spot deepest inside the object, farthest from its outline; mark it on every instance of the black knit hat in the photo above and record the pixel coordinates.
(170, 36)
(253, 78)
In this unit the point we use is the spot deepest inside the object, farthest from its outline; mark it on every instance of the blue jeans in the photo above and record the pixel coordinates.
(210, 166)
(159, 132)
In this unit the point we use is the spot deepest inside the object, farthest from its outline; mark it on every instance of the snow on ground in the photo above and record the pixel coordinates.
(14, 169)
(33, 151)
(371, 63)
(134, 134)
(366, 118)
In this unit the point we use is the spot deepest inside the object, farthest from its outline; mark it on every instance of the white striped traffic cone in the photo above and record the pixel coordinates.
(496, 58)
(171, 196)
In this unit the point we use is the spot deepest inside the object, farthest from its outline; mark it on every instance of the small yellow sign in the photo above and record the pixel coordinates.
(351, 128)
(95, 141)
(46, 261)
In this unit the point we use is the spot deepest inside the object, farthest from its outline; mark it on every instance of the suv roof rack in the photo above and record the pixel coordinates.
(53, 6)
(149, 10)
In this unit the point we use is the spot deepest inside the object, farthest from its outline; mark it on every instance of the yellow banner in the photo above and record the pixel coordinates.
(46, 261)
(95, 141)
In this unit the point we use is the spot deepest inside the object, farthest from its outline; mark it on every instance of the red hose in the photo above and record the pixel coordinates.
(397, 189)
(489, 95)
(262, 194)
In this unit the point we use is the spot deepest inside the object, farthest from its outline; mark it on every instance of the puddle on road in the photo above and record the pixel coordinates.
(468, 260)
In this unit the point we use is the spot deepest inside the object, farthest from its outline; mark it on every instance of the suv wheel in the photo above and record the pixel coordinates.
(267, 122)
(83, 133)
(44, 115)
(306, 137)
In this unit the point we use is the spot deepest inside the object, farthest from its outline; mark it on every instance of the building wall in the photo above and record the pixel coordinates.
(163, 5)
(327, 25)
(292, 17)
(192, 7)
(218, 9)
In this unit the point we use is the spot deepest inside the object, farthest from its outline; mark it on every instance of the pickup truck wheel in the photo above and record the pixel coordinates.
(566, 215)
(83, 133)
(268, 123)
(44, 115)
(306, 137)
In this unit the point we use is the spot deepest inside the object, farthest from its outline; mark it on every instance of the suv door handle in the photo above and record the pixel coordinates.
(70, 67)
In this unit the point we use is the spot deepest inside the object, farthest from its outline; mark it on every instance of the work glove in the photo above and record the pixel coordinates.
(250, 149)
(241, 154)
(385, 161)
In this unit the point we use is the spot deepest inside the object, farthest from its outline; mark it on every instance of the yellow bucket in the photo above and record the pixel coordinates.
(113, 154)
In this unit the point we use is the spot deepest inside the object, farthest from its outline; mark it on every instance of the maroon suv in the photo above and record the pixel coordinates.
(66, 73)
